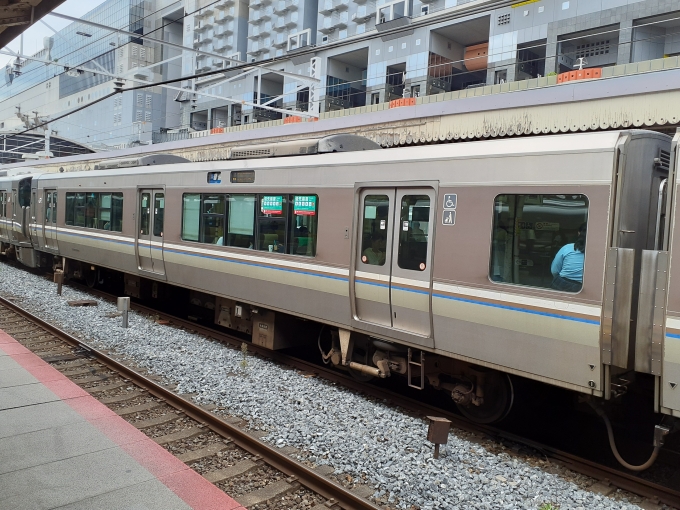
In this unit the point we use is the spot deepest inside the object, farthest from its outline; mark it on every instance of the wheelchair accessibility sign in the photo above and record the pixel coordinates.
(449, 215)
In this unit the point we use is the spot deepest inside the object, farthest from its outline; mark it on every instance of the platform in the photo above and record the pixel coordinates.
(61, 448)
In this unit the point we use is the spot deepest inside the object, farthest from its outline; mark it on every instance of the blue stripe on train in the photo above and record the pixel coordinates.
(344, 279)
(517, 309)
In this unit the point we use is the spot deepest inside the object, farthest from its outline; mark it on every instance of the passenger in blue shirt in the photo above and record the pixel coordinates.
(567, 266)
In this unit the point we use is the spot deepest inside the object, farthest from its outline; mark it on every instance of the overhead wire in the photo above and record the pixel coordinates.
(326, 87)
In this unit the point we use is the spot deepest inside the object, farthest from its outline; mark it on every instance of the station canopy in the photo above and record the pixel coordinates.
(17, 16)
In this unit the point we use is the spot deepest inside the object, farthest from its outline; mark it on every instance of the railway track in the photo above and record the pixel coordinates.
(251, 471)
(608, 478)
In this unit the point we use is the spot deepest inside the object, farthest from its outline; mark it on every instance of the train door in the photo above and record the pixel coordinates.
(50, 220)
(392, 272)
(16, 219)
(33, 225)
(150, 230)
(3, 216)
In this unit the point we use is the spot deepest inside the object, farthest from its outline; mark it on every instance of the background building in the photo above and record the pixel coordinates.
(367, 52)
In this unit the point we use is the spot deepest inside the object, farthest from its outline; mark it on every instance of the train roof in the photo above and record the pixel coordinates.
(600, 142)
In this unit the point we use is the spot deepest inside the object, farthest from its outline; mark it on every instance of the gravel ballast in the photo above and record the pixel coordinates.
(367, 442)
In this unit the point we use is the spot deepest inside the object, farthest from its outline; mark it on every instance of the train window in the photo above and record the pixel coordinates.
(158, 214)
(191, 212)
(79, 210)
(212, 219)
(48, 207)
(283, 224)
(70, 208)
(413, 232)
(539, 240)
(303, 227)
(272, 223)
(25, 193)
(103, 211)
(241, 228)
(144, 214)
(116, 224)
(374, 229)
(91, 217)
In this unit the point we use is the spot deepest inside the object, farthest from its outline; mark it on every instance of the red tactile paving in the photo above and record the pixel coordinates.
(195, 490)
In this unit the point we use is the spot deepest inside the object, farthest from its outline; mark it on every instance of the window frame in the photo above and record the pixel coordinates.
(73, 207)
(288, 217)
(533, 287)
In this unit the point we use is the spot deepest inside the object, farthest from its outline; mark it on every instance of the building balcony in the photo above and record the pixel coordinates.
(285, 6)
(279, 41)
(259, 15)
(282, 24)
(363, 14)
(204, 13)
(223, 46)
(224, 31)
(329, 6)
(338, 21)
(225, 4)
(223, 17)
(259, 31)
(326, 7)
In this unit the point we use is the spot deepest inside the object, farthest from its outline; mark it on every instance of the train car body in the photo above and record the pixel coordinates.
(433, 262)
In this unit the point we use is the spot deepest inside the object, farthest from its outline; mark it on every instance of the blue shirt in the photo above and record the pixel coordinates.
(568, 263)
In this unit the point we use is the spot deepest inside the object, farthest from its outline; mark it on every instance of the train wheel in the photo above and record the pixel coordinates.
(499, 396)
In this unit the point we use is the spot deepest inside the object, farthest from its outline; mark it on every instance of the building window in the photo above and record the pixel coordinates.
(299, 40)
(138, 116)
(147, 104)
(539, 240)
(147, 116)
(391, 11)
(140, 99)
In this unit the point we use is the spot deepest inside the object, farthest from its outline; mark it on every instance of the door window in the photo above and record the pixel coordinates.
(414, 223)
(158, 214)
(374, 229)
(144, 216)
(48, 208)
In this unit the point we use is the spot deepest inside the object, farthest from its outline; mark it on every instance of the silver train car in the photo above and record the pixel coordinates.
(435, 263)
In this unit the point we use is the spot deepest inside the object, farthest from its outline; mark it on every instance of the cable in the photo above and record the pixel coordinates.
(659, 433)
(218, 71)
(113, 32)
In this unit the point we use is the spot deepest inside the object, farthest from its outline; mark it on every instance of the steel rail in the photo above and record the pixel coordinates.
(304, 475)
(616, 477)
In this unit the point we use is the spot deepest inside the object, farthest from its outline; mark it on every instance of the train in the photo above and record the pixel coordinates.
(431, 263)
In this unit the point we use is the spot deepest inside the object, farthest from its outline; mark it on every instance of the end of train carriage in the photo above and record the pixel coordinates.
(465, 333)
